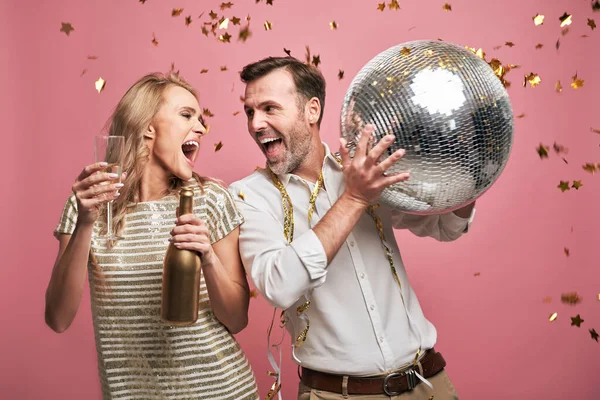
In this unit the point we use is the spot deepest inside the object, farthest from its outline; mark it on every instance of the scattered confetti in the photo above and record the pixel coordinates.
(83, 72)
(594, 334)
(143, 1)
(269, 2)
(560, 149)
(154, 41)
(596, 6)
(538, 19)
(176, 12)
(213, 15)
(542, 151)
(477, 274)
(595, 130)
(268, 26)
(447, 7)
(225, 6)
(521, 115)
(567, 252)
(206, 112)
(576, 321)
(225, 38)
(558, 87)
(564, 31)
(204, 71)
(66, 27)
(563, 186)
(244, 33)
(340, 74)
(591, 23)
(253, 292)
(235, 20)
(218, 146)
(316, 60)
(538, 46)
(591, 168)
(547, 299)
(188, 20)
(381, 6)
(553, 317)
(100, 84)
(557, 44)
(92, 57)
(405, 51)
(533, 79)
(224, 68)
(509, 44)
(577, 83)
(393, 5)
(241, 195)
(235, 113)
(570, 298)
(333, 25)
(577, 184)
(565, 20)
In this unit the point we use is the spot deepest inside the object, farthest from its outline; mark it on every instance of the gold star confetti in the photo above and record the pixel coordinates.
(100, 84)
(594, 334)
(269, 2)
(542, 151)
(577, 83)
(571, 298)
(225, 38)
(235, 20)
(563, 186)
(547, 299)
(538, 19)
(218, 146)
(206, 112)
(268, 26)
(224, 68)
(241, 195)
(176, 12)
(92, 57)
(213, 15)
(244, 33)
(225, 6)
(576, 321)
(539, 46)
(557, 44)
(564, 31)
(223, 23)
(333, 25)
(565, 20)
(393, 5)
(591, 168)
(567, 251)
(596, 6)
(316, 60)
(558, 87)
(560, 149)
(188, 20)
(235, 113)
(521, 116)
(203, 71)
(577, 184)
(154, 41)
(533, 79)
(253, 293)
(340, 74)
(591, 23)
(509, 44)
(381, 6)
(595, 130)
(477, 274)
(553, 317)
(447, 7)
(405, 51)
(66, 27)
(501, 70)
(143, 1)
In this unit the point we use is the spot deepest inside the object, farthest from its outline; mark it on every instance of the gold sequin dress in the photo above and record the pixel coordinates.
(139, 356)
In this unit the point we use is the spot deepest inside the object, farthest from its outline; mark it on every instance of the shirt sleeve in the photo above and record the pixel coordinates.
(221, 211)
(68, 218)
(280, 271)
(442, 227)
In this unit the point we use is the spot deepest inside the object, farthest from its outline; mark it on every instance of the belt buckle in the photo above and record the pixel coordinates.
(411, 380)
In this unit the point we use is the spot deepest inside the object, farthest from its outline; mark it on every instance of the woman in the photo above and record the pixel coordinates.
(139, 356)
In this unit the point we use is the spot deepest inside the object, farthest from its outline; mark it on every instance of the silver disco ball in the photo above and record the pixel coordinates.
(447, 109)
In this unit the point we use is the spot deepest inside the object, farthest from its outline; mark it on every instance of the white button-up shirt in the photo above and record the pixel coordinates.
(361, 321)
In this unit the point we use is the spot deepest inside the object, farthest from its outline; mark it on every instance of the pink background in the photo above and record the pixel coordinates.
(493, 327)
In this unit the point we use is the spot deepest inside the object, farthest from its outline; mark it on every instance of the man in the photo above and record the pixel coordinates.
(315, 246)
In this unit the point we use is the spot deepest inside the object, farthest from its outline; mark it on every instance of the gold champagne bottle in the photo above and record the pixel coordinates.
(181, 276)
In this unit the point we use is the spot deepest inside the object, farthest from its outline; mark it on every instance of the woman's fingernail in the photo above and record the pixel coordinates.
(119, 185)
(177, 245)
(102, 164)
(113, 176)
(117, 194)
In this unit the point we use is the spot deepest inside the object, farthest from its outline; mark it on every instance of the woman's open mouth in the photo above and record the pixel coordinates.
(190, 150)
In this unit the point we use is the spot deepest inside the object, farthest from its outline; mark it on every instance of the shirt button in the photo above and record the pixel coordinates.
(362, 276)
(352, 244)
(381, 339)
(372, 307)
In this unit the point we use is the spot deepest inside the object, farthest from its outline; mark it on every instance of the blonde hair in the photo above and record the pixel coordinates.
(130, 119)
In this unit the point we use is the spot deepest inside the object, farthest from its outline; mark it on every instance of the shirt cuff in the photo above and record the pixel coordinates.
(456, 223)
(310, 251)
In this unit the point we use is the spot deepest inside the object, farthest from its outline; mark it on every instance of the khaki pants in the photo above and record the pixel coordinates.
(443, 389)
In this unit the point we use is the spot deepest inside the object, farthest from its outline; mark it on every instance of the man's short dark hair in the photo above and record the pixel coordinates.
(308, 80)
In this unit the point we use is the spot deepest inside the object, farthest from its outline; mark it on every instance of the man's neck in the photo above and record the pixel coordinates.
(310, 168)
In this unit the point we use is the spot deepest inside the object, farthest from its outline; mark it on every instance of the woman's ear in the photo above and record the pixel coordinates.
(150, 132)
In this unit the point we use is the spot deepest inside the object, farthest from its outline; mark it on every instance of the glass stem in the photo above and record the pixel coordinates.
(109, 218)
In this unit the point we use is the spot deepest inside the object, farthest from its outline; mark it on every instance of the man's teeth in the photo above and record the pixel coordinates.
(191, 142)
(268, 140)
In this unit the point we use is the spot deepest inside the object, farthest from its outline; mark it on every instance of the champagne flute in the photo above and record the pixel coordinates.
(110, 149)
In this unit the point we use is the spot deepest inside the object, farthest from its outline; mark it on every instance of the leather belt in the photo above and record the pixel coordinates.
(391, 384)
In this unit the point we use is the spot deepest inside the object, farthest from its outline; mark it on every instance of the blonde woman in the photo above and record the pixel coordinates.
(140, 357)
